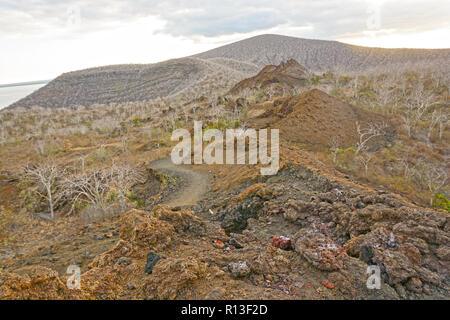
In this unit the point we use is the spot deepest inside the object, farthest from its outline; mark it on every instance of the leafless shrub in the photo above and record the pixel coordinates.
(98, 188)
(416, 106)
(100, 154)
(334, 147)
(90, 188)
(365, 157)
(124, 177)
(384, 93)
(437, 118)
(369, 133)
(407, 169)
(40, 147)
(124, 141)
(433, 176)
(82, 159)
(47, 176)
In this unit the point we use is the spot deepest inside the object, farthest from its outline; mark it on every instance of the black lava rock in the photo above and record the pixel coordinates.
(235, 219)
(235, 244)
(366, 254)
(152, 260)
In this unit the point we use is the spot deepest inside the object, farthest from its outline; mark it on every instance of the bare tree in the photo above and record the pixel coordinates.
(95, 187)
(365, 157)
(384, 93)
(366, 134)
(83, 161)
(417, 104)
(433, 176)
(90, 187)
(47, 176)
(443, 124)
(40, 147)
(124, 177)
(438, 117)
(407, 171)
(334, 148)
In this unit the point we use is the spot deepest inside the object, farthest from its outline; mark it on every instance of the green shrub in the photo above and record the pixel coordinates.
(132, 196)
(223, 124)
(442, 202)
(137, 121)
(315, 80)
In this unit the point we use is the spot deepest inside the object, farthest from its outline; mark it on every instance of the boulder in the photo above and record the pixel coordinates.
(322, 252)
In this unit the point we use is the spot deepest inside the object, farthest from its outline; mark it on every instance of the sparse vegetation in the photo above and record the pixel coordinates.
(385, 130)
(442, 202)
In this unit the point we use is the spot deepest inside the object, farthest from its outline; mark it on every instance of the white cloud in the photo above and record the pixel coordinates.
(44, 38)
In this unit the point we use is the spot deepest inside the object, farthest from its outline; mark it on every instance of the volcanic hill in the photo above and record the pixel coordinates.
(287, 75)
(223, 66)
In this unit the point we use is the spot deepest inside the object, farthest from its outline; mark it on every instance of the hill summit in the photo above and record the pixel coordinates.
(287, 75)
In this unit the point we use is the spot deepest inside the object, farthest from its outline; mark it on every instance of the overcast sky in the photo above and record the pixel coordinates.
(40, 39)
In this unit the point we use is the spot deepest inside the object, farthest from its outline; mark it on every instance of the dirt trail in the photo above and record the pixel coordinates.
(194, 183)
(80, 246)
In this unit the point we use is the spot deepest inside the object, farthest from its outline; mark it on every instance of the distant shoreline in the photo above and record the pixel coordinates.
(11, 93)
(20, 84)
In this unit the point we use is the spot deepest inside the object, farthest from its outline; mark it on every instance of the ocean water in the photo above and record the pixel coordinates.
(10, 95)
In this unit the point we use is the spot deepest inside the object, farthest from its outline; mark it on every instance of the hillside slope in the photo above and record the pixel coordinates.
(130, 83)
(320, 55)
(223, 67)
(314, 118)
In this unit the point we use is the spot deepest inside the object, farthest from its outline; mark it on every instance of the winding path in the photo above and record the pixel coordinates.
(194, 183)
